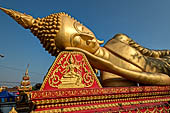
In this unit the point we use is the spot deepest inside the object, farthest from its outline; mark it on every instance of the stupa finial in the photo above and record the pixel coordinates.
(26, 72)
(25, 83)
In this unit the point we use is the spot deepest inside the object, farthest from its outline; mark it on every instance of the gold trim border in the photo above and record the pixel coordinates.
(93, 98)
(91, 107)
(84, 92)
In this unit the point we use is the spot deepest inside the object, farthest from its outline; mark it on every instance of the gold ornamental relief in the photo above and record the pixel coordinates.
(71, 79)
(88, 79)
(71, 73)
(54, 79)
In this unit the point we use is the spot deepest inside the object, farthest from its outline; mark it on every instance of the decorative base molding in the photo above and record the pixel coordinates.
(148, 99)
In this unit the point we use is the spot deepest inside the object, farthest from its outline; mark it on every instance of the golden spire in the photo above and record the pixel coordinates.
(25, 83)
(23, 19)
(26, 72)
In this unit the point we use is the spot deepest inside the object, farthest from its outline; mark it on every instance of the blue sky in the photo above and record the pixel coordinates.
(145, 21)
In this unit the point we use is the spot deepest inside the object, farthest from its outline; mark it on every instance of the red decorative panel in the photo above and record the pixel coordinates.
(70, 70)
(126, 91)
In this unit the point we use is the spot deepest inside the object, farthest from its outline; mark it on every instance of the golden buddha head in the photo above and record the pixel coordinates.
(73, 34)
(57, 31)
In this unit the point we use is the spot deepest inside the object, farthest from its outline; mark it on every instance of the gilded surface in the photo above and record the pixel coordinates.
(114, 107)
(122, 61)
(100, 99)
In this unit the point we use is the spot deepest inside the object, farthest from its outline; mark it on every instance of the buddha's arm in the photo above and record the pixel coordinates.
(140, 77)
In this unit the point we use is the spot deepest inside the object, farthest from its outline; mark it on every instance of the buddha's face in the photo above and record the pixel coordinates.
(74, 34)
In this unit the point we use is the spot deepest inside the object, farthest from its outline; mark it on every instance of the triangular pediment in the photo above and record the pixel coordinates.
(70, 70)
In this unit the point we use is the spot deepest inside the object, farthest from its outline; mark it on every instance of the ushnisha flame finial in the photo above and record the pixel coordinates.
(23, 19)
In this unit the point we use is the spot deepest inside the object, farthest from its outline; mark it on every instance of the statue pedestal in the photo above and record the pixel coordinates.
(71, 86)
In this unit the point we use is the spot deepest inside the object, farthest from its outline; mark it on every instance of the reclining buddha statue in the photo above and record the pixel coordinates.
(121, 61)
